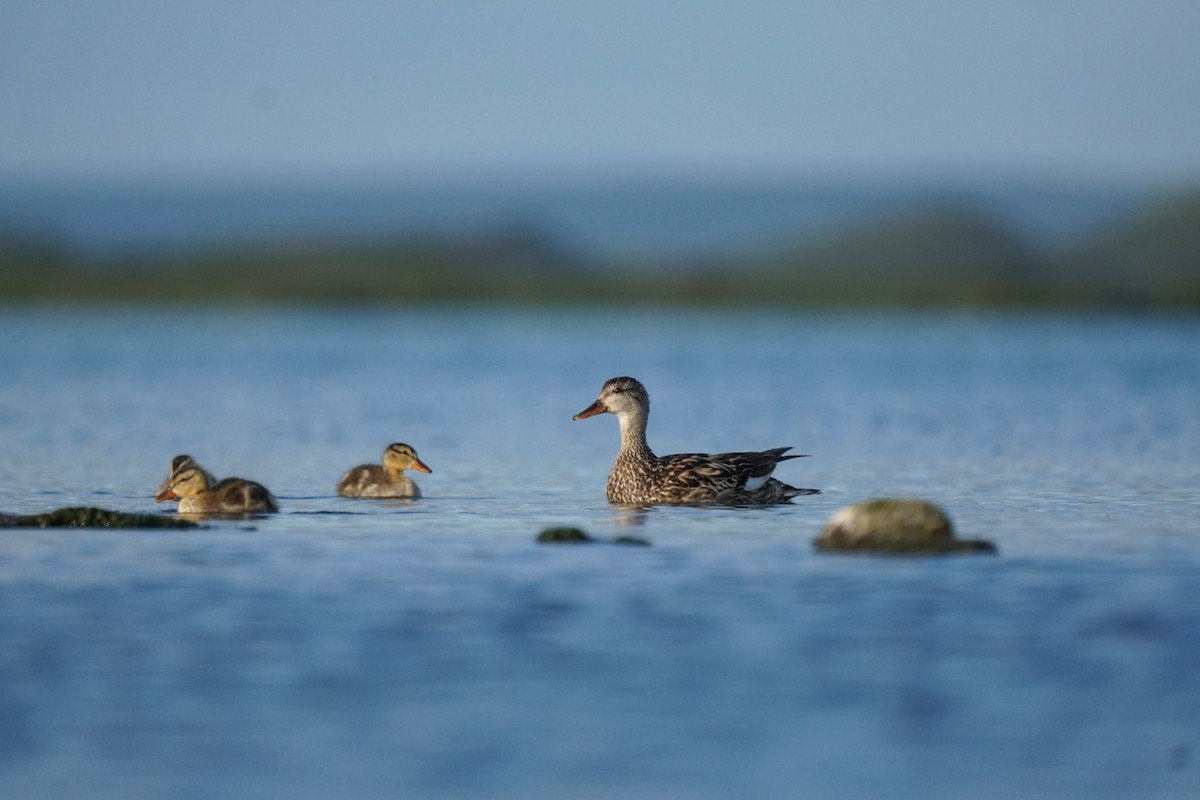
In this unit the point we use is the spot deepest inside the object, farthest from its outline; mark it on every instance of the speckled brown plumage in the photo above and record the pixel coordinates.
(639, 477)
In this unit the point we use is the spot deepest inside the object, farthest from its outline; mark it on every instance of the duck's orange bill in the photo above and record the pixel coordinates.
(166, 494)
(420, 465)
(591, 411)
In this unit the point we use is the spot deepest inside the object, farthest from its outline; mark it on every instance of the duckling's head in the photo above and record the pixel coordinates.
(188, 482)
(178, 463)
(619, 396)
(181, 461)
(399, 457)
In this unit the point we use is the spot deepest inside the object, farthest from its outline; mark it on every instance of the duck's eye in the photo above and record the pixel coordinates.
(617, 390)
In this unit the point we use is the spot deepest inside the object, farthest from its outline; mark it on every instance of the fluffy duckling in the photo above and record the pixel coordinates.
(388, 480)
(197, 494)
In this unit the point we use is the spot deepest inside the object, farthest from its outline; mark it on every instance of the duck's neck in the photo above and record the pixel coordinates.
(633, 436)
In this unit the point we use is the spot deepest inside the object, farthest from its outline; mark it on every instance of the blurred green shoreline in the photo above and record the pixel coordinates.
(919, 259)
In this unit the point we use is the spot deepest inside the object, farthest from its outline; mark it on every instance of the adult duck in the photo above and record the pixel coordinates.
(639, 477)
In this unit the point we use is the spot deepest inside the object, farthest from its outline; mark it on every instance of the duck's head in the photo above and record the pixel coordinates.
(188, 482)
(618, 396)
(399, 457)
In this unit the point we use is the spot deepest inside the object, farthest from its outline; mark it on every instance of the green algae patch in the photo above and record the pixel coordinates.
(895, 525)
(90, 517)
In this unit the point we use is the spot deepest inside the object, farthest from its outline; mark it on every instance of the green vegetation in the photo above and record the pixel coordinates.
(928, 259)
(1156, 257)
(919, 260)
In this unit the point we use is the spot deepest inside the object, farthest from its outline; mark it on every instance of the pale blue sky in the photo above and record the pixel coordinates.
(233, 88)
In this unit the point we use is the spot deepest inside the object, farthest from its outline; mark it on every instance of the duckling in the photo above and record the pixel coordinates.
(179, 463)
(196, 494)
(388, 480)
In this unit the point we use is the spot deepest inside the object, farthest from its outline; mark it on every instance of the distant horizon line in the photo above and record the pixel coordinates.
(630, 173)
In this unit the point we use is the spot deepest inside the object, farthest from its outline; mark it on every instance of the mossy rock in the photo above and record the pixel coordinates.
(564, 535)
(894, 525)
(89, 517)
(569, 535)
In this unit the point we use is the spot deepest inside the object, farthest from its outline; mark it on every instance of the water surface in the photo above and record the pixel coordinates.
(431, 648)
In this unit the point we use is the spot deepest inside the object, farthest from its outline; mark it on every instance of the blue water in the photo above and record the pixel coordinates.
(433, 649)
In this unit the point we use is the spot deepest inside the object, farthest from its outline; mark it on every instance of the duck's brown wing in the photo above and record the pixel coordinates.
(692, 478)
(723, 471)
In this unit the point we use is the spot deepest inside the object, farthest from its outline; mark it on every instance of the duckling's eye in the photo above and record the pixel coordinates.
(617, 390)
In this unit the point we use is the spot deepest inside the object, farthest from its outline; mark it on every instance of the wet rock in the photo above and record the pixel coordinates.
(894, 525)
(89, 517)
(568, 535)
(563, 536)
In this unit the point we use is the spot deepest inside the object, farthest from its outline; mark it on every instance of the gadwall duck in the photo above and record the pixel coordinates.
(639, 477)
(386, 480)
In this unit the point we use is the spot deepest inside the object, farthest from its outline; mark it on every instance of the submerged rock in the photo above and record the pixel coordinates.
(568, 535)
(89, 517)
(895, 525)
(563, 536)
